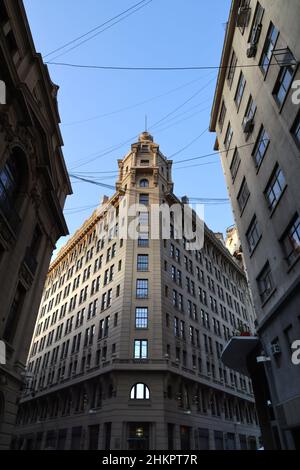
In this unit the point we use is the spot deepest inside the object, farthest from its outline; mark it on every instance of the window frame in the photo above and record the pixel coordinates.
(257, 147)
(134, 392)
(244, 185)
(273, 180)
(253, 227)
(141, 318)
(142, 288)
(240, 90)
(140, 346)
(142, 266)
(286, 238)
(265, 275)
(264, 70)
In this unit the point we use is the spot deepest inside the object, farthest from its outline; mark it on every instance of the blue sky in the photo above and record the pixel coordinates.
(162, 33)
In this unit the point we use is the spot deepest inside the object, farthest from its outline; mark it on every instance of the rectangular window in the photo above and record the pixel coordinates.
(144, 218)
(143, 240)
(243, 195)
(236, 160)
(240, 90)
(253, 234)
(265, 283)
(268, 48)
(291, 240)
(144, 199)
(296, 130)
(231, 70)
(261, 146)
(275, 187)
(284, 82)
(142, 263)
(256, 25)
(248, 124)
(141, 317)
(142, 288)
(222, 116)
(228, 137)
(140, 349)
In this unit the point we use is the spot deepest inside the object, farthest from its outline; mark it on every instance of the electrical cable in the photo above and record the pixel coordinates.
(126, 108)
(110, 67)
(96, 28)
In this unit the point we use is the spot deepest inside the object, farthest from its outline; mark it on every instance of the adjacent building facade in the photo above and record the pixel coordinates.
(33, 187)
(256, 116)
(127, 345)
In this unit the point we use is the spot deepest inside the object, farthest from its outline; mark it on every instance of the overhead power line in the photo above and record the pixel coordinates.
(140, 5)
(189, 144)
(212, 154)
(154, 69)
(135, 105)
(85, 161)
(182, 104)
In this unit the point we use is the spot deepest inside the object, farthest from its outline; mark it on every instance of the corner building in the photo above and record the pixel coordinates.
(126, 350)
(256, 117)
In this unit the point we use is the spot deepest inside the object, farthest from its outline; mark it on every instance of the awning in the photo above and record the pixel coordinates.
(237, 351)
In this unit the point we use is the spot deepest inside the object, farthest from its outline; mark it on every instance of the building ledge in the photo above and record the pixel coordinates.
(237, 351)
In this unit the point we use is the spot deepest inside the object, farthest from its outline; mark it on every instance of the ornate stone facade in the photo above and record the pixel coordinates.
(33, 186)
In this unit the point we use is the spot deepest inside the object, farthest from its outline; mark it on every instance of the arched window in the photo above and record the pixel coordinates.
(140, 392)
(144, 183)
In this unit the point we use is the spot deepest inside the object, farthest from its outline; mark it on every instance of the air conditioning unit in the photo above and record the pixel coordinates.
(242, 16)
(248, 125)
(251, 51)
(275, 349)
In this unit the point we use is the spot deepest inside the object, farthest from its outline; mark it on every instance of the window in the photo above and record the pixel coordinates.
(10, 181)
(284, 82)
(228, 137)
(268, 48)
(296, 130)
(253, 234)
(236, 160)
(275, 188)
(144, 218)
(140, 349)
(256, 25)
(143, 240)
(243, 195)
(222, 116)
(14, 314)
(144, 183)
(140, 392)
(265, 283)
(231, 70)
(142, 263)
(142, 288)
(261, 146)
(248, 124)
(144, 199)
(141, 317)
(291, 240)
(240, 90)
